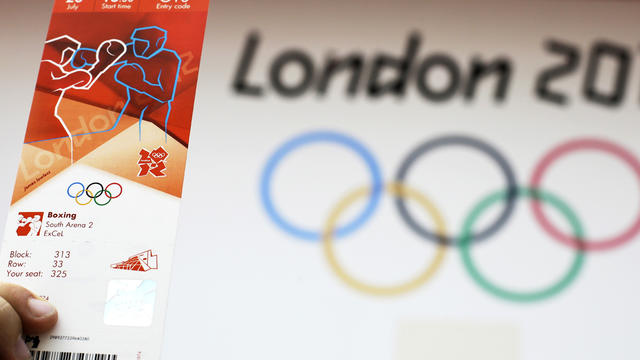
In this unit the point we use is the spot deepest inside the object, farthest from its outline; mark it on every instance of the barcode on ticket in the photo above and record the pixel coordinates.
(50, 355)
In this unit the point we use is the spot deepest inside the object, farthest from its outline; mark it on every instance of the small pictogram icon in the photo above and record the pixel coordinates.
(153, 162)
(143, 261)
(29, 223)
(33, 340)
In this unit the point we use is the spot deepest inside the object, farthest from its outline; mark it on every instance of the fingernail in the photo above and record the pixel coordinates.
(40, 308)
(21, 351)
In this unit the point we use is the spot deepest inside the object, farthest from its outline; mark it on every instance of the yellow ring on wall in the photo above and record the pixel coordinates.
(397, 190)
(89, 195)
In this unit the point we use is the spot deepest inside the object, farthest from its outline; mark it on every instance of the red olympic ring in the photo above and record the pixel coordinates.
(109, 195)
(564, 149)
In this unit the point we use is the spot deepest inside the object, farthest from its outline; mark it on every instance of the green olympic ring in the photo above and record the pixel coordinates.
(529, 296)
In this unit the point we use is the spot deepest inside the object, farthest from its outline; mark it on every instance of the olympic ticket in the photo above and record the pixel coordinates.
(94, 210)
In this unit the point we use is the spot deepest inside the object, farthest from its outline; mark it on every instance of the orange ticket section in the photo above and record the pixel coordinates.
(163, 6)
(117, 5)
(174, 5)
(73, 6)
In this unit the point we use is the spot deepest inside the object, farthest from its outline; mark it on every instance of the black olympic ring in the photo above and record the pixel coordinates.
(96, 194)
(505, 167)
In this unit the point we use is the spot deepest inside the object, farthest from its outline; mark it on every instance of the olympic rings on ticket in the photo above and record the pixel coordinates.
(94, 196)
(467, 237)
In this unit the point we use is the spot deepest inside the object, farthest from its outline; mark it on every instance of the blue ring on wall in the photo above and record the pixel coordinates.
(311, 138)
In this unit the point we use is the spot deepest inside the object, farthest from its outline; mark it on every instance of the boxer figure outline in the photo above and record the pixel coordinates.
(149, 74)
(59, 53)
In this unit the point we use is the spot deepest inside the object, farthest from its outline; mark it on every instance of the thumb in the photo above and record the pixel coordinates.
(36, 315)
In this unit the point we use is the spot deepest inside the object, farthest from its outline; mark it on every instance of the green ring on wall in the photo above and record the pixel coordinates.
(515, 296)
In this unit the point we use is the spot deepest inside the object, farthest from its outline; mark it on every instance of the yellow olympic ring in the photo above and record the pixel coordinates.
(89, 194)
(396, 190)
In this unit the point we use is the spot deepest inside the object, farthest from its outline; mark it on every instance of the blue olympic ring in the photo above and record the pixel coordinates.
(315, 137)
(75, 183)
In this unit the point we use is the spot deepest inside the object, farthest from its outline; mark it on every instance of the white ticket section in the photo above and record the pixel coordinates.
(106, 268)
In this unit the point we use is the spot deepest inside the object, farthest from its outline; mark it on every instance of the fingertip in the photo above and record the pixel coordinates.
(40, 308)
(42, 316)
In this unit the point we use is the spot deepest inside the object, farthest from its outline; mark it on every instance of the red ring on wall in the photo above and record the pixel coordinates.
(574, 146)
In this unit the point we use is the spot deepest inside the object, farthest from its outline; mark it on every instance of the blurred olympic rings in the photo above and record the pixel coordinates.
(94, 196)
(467, 236)
(396, 190)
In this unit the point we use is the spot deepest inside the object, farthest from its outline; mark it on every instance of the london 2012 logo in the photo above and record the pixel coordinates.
(577, 239)
(153, 162)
